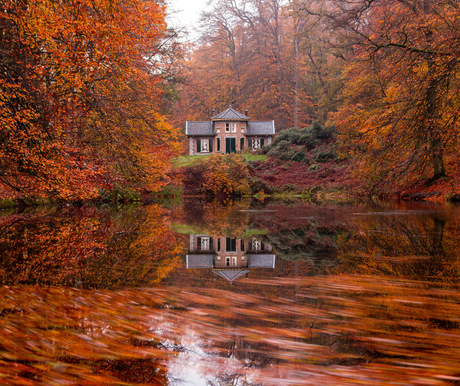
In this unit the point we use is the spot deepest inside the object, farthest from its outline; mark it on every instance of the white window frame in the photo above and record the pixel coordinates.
(256, 143)
(227, 127)
(205, 243)
(233, 127)
(205, 145)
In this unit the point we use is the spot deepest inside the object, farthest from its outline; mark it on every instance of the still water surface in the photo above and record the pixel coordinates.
(247, 293)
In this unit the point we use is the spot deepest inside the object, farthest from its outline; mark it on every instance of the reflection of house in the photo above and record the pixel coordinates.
(228, 132)
(229, 257)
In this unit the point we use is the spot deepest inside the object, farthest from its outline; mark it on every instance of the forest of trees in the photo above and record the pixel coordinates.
(95, 93)
(84, 86)
(385, 73)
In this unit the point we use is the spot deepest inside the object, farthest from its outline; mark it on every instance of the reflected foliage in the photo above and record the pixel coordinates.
(423, 246)
(369, 295)
(88, 247)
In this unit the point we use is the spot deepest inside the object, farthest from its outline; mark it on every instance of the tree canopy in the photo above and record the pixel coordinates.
(83, 86)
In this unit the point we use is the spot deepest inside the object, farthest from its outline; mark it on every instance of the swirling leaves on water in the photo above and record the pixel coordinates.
(335, 330)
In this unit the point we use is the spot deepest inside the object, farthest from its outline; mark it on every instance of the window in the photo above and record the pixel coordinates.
(227, 127)
(241, 144)
(257, 143)
(217, 130)
(242, 245)
(256, 245)
(227, 261)
(242, 129)
(218, 144)
(234, 261)
(233, 127)
(205, 146)
(205, 243)
(218, 244)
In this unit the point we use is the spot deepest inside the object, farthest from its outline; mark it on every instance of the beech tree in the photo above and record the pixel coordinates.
(245, 58)
(401, 101)
(83, 85)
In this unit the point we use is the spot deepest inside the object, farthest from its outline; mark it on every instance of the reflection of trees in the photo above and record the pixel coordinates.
(229, 217)
(88, 247)
(312, 241)
(411, 246)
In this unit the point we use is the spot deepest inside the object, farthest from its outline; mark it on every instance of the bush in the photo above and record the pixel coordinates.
(119, 194)
(226, 174)
(323, 157)
(257, 184)
(293, 144)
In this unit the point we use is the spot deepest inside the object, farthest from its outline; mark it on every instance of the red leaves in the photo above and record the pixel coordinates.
(80, 101)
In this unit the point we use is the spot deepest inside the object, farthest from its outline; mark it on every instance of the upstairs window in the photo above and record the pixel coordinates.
(227, 127)
(233, 127)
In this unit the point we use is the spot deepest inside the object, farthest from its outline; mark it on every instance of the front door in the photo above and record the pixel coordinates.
(230, 145)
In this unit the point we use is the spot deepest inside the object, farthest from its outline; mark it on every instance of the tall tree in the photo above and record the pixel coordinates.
(245, 58)
(400, 112)
(82, 87)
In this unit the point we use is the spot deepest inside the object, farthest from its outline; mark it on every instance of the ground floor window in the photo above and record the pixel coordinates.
(204, 243)
(204, 145)
(257, 143)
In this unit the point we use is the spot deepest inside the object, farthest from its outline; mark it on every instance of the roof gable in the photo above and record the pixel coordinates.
(231, 274)
(230, 115)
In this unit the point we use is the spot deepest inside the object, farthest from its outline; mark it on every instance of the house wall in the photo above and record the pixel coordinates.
(222, 134)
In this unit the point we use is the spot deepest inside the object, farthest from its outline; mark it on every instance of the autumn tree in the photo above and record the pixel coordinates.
(399, 117)
(245, 58)
(83, 86)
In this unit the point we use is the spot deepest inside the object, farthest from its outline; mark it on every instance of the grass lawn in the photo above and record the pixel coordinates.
(190, 160)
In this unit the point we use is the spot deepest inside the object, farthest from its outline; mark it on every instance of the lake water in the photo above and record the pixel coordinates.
(240, 293)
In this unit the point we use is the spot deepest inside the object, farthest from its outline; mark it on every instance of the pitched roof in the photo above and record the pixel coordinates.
(261, 260)
(230, 115)
(199, 128)
(200, 261)
(230, 274)
(261, 128)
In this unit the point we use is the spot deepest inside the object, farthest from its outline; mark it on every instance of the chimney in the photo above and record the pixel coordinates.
(213, 112)
(246, 113)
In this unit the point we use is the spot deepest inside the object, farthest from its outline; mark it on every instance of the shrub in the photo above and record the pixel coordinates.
(302, 140)
(119, 194)
(323, 157)
(257, 184)
(226, 174)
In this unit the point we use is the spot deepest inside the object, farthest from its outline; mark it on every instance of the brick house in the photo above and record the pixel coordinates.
(229, 257)
(228, 132)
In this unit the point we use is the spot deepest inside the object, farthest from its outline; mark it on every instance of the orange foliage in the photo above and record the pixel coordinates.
(245, 59)
(226, 174)
(81, 97)
(399, 115)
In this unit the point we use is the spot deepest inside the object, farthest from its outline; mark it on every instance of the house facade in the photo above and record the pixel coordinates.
(229, 257)
(228, 132)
